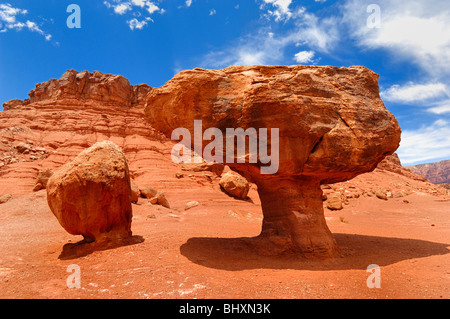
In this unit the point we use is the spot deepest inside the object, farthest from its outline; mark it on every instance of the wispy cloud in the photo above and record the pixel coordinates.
(414, 93)
(263, 46)
(441, 107)
(10, 19)
(426, 143)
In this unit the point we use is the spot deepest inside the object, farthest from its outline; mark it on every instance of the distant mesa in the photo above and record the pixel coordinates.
(436, 173)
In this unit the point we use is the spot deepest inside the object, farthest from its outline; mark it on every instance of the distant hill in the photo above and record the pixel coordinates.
(437, 173)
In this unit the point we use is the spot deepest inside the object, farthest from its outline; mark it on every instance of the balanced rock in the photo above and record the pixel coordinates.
(91, 195)
(332, 127)
(235, 185)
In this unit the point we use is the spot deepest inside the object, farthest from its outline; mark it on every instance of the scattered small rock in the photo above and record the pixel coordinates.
(135, 192)
(334, 201)
(162, 200)
(42, 179)
(191, 205)
(5, 198)
(148, 192)
(381, 195)
(22, 147)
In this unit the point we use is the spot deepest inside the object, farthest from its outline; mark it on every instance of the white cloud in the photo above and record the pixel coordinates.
(136, 24)
(263, 46)
(136, 8)
(151, 7)
(122, 8)
(8, 13)
(255, 49)
(426, 143)
(304, 57)
(282, 10)
(188, 3)
(440, 107)
(321, 34)
(139, 3)
(415, 31)
(212, 12)
(412, 92)
(9, 21)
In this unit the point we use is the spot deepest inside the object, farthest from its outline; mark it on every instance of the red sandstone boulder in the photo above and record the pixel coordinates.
(235, 185)
(91, 195)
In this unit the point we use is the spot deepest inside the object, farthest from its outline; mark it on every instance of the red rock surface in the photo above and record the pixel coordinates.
(203, 252)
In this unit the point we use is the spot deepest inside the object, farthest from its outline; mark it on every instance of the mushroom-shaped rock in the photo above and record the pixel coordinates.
(332, 126)
(91, 195)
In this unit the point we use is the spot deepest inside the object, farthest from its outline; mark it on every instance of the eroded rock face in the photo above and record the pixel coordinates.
(91, 195)
(107, 88)
(67, 117)
(332, 125)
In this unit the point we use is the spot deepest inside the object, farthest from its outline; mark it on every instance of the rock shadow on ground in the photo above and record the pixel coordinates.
(357, 252)
(84, 248)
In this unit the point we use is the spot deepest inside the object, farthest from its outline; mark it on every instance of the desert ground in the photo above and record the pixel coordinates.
(206, 251)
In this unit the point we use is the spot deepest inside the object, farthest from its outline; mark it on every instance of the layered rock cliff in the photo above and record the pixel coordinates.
(64, 116)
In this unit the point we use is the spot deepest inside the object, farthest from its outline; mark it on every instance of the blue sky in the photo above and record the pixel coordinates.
(148, 41)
